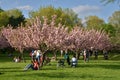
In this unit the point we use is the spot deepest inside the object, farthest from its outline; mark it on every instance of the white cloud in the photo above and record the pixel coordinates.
(27, 7)
(84, 10)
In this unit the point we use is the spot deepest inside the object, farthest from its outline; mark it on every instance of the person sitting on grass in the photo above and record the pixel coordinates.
(73, 61)
(60, 63)
(17, 59)
(47, 60)
(33, 66)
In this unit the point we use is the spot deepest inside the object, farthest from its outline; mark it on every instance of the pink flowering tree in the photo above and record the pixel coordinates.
(3, 42)
(50, 37)
(53, 35)
(23, 37)
(79, 39)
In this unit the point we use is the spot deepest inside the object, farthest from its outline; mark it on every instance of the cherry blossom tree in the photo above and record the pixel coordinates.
(23, 37)
(3, 42)
(79, 39)
(47, 36)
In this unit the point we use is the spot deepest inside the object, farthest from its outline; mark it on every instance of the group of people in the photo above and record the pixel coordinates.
(72, 62)
(87, 53)
(36, 56)
(37, 60)
(17, 59)
(86, 57)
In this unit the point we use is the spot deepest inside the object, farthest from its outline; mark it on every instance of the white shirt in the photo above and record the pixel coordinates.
(84, 53)
(74, 59)
(37, 54)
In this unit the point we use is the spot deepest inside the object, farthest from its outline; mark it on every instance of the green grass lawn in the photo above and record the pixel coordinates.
(94, 70)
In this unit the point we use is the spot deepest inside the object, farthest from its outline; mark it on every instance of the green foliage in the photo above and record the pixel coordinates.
(4, 19)
(116, 41)
(109, 29)
(66, 17)
(114, 20)
(15, 17)
(94, 22)
(12, 17)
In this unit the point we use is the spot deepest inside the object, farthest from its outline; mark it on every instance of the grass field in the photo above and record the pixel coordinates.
(94, 70)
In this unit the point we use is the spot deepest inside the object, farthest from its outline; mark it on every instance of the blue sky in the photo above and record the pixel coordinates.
(82, 7)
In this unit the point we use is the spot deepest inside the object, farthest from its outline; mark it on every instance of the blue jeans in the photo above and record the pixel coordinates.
(38, 58)
(28, 67)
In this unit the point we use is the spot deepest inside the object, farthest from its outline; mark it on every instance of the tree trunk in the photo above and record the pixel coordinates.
(77, 55)
(22, 56)
(43, 59)
(61, 53)
(55, 56)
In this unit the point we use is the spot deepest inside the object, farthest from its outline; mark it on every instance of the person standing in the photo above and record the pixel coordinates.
(96, 54)
(84, 55)
(105, 53)
(38, 56)
(67, 58)
(87, 55)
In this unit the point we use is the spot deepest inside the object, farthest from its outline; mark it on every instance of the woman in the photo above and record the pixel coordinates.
(33, 66)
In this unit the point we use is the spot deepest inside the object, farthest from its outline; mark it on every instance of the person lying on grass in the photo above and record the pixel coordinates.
(34, 65)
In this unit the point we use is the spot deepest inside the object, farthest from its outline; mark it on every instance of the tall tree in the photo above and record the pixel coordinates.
(114, 20)
(64, 16)
(3, 42)
(109, 29)
(15, 17)
(4, 19)
(94, 22)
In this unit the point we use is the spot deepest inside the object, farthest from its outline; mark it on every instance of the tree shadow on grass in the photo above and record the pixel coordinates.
(11, 68)
(106, 66)
(60, 75)
(48, 69)
(115, 57)
(12, 71)
(1, 73)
